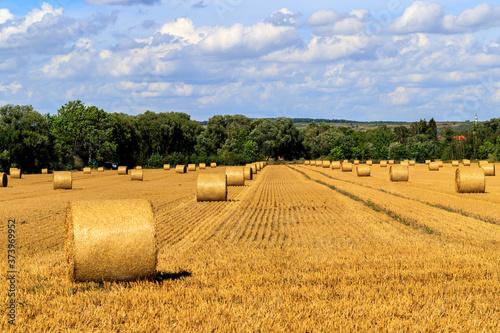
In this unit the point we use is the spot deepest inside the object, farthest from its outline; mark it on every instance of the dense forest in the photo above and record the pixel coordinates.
(80, 135)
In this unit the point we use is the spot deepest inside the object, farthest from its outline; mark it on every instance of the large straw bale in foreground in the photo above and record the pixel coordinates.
(63, 180)
(235, 176)
(110, 240)
(136, 174)
(433, 166)
(489, 169)
(15, 173)
(180, 168)
(3, 179)
(211, 187)
(398, 173)
(363, 170)
(122, 170)
(470, 180)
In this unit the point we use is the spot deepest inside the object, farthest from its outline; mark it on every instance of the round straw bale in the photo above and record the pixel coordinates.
(356, 162)
(313, 163)
(345, 161)
(319, 163)
(411, 163)
(466, 162)
(427, 161)
(247, 173)
(191, 167)
(398, 173)
(138, 167)
(383, 164)
(257, 165)
(63, 180)
(433, 166)
(253, 167)
(470, 180)
(261, 165)
(346, 167)
(122, 170)
(211, 187)
(45, 171)
(100, 169)
(3, 179)
(307, 162)
(202, 166)
(489, 169)
(369, 162)
(213, 165)
(110, 240)
(481, 163)
(404, 163)
(390, 162)
(15, 173)
(363, 170)
(235, 176)
(454, 163)
(440, 163)
(326, 164)
(335, 165)
(136, 174)
(87, 171)
(166, 166)
(180, 168)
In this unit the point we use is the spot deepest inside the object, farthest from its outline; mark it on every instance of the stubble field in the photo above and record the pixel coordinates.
(299, 248)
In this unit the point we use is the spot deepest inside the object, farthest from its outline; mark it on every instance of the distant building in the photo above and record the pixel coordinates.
(476, 118)
(460, 137)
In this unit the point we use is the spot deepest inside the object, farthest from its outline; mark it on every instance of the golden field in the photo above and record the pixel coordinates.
(299, 248)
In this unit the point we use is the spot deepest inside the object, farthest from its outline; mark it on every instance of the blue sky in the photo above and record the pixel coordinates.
(359, 60)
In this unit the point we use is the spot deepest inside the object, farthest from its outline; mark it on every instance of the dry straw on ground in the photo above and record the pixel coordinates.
(470, 180)
(326, 164)
(87, 171)
(398, 173)
(3, 179)
(202, 166)
(166, 166)
(122, 170)
(15, 173)
(211, 187)
(433, 166)
(247, 172)
(45, 171)
(383, 164)
(180, 168)
(489, 169)
(346, 167)
(363, 170)
(369, 162)
(335, 165)
(454, 163)
(213, 165)
(191, 167)
(63, 180)
(110, 240)
(136, 174)
(235, 176)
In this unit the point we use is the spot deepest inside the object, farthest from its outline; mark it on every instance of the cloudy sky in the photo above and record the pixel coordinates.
(365, 60)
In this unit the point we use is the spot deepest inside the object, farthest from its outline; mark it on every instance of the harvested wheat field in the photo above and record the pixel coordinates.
(298, 248)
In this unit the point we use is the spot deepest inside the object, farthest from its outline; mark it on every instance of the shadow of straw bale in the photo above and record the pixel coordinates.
(163, 276)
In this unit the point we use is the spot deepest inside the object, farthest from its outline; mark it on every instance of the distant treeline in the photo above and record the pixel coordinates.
(330, 121)
(80, 135)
